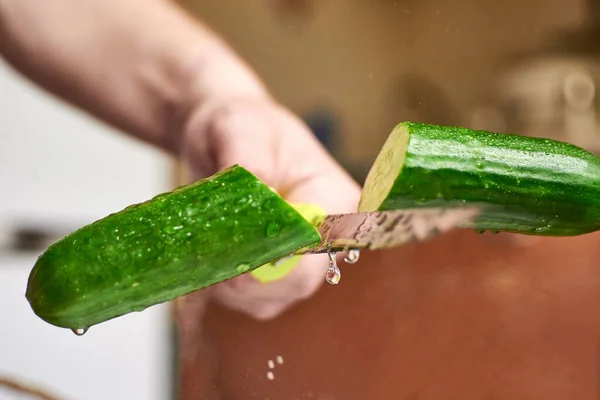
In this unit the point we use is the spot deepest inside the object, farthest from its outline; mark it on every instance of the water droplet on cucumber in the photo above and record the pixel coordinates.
(479, 231)
(272, 229)
(79, 331)
(242, 268)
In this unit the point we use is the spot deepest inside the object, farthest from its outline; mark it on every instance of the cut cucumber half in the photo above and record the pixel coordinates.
(522, 184)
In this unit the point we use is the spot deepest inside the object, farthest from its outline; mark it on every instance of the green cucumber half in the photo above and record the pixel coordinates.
(524, 185)
(176, 243)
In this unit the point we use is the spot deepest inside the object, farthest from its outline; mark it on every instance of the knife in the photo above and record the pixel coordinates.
(387, 229)
(353, 232)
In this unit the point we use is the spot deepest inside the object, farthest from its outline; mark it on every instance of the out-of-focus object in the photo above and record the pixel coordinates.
(36, 238)
(421, 98)
(60, 169)
(291, 8)
(552, 91)
(324, 123)
(29, 390)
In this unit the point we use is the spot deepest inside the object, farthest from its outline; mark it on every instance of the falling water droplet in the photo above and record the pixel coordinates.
(333, 275)
(352, 256)
(79, 331)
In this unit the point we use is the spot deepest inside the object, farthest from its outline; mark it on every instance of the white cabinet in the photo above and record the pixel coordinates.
(60, 169)
(58, 163)
(126, 358)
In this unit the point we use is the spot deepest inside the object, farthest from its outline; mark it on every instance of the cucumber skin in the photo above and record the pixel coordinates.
(525, 185)
(176, 243)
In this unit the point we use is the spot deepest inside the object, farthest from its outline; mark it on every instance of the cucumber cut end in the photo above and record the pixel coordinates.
(385, 170)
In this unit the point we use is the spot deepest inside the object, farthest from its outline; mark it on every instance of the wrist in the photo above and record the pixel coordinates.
(216, 72)
(214, 77)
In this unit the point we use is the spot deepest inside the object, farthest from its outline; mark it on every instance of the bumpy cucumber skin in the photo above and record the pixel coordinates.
(524, 185)
(176, 243)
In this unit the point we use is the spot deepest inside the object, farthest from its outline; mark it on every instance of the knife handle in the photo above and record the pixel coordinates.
(277, 270)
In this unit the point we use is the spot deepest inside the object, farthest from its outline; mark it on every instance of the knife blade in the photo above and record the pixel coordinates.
(387, 229)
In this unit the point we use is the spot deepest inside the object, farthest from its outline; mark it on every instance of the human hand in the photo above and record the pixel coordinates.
(272, 143)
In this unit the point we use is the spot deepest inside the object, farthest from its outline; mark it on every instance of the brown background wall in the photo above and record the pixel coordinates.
(465, 317)
(351, 55)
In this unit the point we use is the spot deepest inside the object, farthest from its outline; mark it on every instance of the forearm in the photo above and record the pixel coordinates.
(137, 64)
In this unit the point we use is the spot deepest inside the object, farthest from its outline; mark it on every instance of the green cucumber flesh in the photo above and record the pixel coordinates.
(174, 244)
(522, 184)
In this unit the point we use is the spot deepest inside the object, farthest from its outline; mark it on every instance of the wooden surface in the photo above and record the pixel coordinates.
(463, 317)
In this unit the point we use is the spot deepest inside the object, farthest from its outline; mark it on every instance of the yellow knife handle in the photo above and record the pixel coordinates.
(281, 268)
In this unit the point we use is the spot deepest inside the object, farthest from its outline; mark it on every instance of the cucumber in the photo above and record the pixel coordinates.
(176, 243)
(521, 184)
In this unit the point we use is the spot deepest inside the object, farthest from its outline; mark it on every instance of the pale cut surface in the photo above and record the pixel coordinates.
(385, 170)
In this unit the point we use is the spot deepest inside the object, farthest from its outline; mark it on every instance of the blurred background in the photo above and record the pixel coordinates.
(352, 70)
